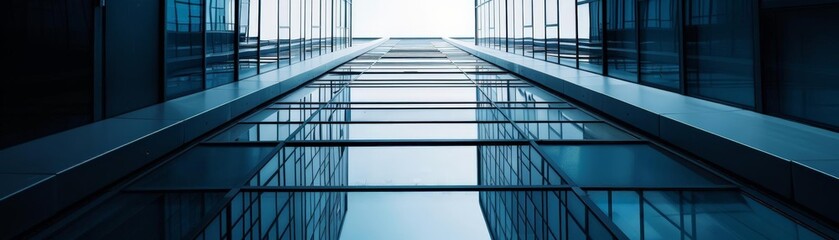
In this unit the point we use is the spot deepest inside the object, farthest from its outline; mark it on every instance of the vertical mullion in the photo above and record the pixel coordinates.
(279, 37)
(475, 12)
(604, 37)
(302, 17)
(757, 63)
(203, 29)
(236, 25)
(637, 18)
(682, 215)
(576, 35)
(98, 86)
(331, 25)
(258, 32)
(545, 27)
(507, 28)
(683, 9)
(321, 27)
(641, 213)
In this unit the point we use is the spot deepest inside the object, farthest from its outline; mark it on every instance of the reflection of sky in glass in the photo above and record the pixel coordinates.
(413, 165)
(414, 215)
(413, 131)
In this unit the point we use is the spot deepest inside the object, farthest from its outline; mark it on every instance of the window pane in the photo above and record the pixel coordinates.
(284, 35)
(248, 37)
(438, 165)
(517, 24)
(296, 31)
(184, 48)
(568, 33)
(589, 32)
(622, 45)
(268, 35)
(539, 29)
(625, 165)
(501, 23)
(221, 38)
(659, 35)
(807, 75)
(205, 167)
(719, 50)
(552, 30)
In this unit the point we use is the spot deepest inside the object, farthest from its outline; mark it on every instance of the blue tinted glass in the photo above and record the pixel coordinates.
(625, 212)
(442, 165)
(414, 215)
(659, 36)
(807, 73)
(221, 41)
(184, 48)
(622, 43)
(624, 165)
(145, 216)
(248, 38)
(590, 36)
(698, 215)
(719, 48)
(205, 167)
(596, 229)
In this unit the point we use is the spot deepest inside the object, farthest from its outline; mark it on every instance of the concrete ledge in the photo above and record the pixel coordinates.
(796, 161)
(44, 176)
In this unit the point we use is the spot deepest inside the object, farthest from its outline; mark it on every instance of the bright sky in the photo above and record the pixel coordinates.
(413, 18)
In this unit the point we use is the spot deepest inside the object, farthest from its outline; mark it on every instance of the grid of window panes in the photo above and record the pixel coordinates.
(214, 42)
(702, 48)
(418, 130)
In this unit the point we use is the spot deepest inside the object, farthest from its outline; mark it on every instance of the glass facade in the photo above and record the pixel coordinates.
(799, 78)
(660, 37)
(741, 53)
(213, 42)
(184, 47)
(719, 50)
(418, 139)
(221, 41)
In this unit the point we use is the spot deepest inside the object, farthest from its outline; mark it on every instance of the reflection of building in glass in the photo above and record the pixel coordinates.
(711, 49)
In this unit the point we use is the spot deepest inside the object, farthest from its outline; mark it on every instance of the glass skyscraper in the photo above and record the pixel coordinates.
(267, 119)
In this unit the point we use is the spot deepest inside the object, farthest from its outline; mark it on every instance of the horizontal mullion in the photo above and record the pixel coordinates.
(411, 142)
(403, 102)
(417, 108)
(410, 80)
(408, 188)
(443, 188)
(412, 86)
(455, 142)
(420, 122)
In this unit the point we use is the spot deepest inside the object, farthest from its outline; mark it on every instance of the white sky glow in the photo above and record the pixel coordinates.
(413, 18)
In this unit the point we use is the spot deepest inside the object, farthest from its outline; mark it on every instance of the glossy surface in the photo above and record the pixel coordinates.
(326, 170)
(752, 137)
(625, 165)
